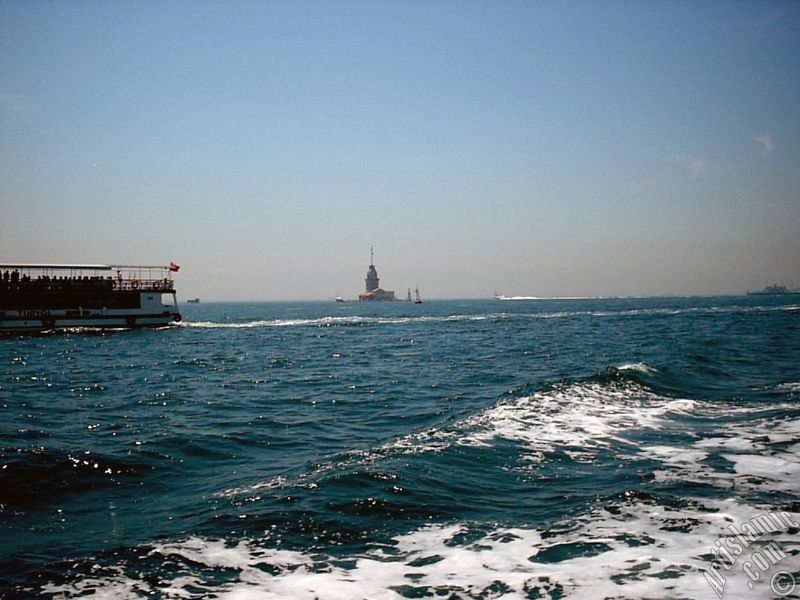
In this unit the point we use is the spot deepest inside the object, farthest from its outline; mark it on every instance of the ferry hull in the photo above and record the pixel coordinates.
(46, 312)
(17, 324)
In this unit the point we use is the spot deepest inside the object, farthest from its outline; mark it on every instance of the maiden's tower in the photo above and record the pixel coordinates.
(373, 292)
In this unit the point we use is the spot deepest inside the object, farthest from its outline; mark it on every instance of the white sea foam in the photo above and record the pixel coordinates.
(332, 321)
(755, 448)
(582, 417)
(633, 550)
(321, 322)
(639, 367)
(782, 470)
(641, 551)
(354, 319)
(685, 464)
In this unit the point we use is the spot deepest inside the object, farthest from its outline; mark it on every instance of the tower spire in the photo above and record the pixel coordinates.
(371, 255)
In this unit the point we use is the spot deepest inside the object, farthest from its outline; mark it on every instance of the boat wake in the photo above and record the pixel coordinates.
(329, 321)
(634, 547)
(631, 543)
(336, 321)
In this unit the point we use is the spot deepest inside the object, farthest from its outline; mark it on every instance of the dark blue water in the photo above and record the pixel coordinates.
(454, 449)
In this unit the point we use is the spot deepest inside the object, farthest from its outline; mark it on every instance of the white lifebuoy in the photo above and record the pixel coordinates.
(135, 284)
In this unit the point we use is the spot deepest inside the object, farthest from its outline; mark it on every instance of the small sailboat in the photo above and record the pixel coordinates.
(408, 298)
(417, 299)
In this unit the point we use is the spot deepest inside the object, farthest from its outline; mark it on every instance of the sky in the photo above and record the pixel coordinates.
(524, 148)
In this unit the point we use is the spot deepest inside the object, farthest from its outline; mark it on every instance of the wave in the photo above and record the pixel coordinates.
(639, 367)
(632, 544)
(32, 477)
(638, 548)
(605, 413)
(580, 419)
(792, 387)
(697, 310)
(762, 450)
(552, 297)
(329, 321)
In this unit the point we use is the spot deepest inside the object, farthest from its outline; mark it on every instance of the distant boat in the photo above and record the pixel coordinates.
(193, 301)
(408, 298)
(339, 299)
(774, 290)
(417, 299)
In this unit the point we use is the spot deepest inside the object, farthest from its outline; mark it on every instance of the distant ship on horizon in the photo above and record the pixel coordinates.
(774, 290)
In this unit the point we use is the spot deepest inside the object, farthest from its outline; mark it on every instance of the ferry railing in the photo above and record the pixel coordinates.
(143, 285)
(84, 284)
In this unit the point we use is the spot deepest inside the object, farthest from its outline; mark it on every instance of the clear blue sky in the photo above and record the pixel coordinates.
(536, 148)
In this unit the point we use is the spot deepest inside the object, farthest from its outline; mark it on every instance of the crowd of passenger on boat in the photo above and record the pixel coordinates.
(14, 280)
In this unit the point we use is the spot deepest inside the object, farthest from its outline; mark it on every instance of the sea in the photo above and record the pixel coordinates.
(567, 448)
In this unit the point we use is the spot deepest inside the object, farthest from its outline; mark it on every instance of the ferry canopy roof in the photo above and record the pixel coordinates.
(73, 267)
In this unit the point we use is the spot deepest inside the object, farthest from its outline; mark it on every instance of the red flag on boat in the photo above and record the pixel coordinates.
(174, 267)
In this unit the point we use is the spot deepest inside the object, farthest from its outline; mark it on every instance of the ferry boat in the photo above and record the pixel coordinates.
(42, 297)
